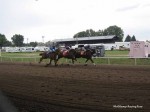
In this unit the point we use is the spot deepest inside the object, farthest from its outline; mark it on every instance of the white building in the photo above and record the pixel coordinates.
(27, 49)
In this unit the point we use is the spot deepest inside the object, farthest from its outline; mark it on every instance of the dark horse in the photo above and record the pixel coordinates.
(85, 54)
(69, 54)
(51, 56)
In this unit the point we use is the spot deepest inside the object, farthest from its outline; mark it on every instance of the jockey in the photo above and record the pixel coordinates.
(87, 47)
(51, 49)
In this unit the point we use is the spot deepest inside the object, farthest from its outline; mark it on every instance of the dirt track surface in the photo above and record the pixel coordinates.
(76, 88)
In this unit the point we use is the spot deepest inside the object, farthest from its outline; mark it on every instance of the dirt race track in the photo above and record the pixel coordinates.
(76, 88)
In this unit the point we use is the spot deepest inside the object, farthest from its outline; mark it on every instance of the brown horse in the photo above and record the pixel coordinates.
(69, 54)
(51, 56)
(85, 54)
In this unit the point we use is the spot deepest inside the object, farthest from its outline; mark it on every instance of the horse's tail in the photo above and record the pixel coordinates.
(41, 54)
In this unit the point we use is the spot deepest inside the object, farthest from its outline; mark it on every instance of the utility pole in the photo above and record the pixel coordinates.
(43, 39)
(77, 39)
(27, 41)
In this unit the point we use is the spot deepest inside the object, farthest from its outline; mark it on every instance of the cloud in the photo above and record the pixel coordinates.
(146, 5)
(63, 18)
(128, 8)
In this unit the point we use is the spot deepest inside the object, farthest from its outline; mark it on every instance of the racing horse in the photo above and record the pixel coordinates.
(69, 54)
(87, 54)
(51, 55)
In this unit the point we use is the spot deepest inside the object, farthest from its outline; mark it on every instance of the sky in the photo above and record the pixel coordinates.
(46, 20)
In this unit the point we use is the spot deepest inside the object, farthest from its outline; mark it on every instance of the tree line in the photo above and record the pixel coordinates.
(111, 30)
(129, 38)
(17, 39)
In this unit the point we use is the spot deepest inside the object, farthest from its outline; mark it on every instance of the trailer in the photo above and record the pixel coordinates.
(99, 48)
(27, 49)
(41, 48)
(139, 49)
(122, 45)
(12, 49)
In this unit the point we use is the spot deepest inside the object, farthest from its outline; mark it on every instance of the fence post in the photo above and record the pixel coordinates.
(35, 59)
(10, 59)
(0, 53)
(66, 60)
(135, 61)
(108, 61)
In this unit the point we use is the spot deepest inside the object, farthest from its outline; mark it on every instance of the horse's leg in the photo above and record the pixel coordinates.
(55, 62)
(49, 62)
(86, 62)
(75, 59)
(92, 61)
(72, 61)
(40, 60)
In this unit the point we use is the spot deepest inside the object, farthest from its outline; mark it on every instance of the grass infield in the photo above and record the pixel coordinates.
(120, 57)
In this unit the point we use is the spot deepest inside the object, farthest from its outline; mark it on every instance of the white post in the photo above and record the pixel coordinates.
(0, 53)
(11, 59)
(43, 39)
(108, 61)
(66, 60)
(135, 61)
(35, 59)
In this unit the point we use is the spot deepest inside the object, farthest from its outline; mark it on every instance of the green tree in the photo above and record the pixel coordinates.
(49, 44)
(3, 40)
(148, 41)
(18, 40)
(80, 34)
(33, 44)
(8, 43)
(128, 38)
(41, 44)
(99, 33)
(114, 30)
(87, 33)
(90, 33)
(133, 38)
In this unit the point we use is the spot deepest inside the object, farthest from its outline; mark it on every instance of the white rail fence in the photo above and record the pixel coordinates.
(109, 58)
(20, 59)
(36, 59)
(0, 52)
